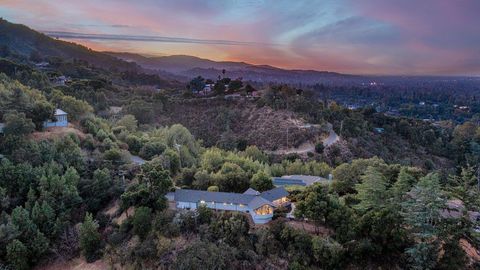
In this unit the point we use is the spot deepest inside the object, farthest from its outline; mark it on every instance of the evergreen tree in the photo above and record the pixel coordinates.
(90, 240)
(17, 254)
(404, 183)
(422, 216)
(43, 216)
(372, 192)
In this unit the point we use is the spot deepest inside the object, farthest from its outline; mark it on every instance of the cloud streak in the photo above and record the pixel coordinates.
(139, 38)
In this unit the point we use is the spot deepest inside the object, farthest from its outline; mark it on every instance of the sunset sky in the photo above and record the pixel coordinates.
(350, 36)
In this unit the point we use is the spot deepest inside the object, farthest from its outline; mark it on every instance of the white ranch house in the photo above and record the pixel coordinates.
(259, 205)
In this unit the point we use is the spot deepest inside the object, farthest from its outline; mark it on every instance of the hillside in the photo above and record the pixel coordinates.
(216, 121)
(22, 40)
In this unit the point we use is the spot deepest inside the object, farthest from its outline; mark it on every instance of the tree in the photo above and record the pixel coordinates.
(90, 240)
(41, 111)
(261, 182)
(74, 107)
(404, 183)
(142, 221)
(97, 191)
(205, 214)
(43, 216)
(232, 178)
(235, 85)
(327, 252)
(152, 149)
(422, 216)
(319, 147)
(153, 183)
(196, 84)
(372, 192)
(17, 255)
(219, 88)
(253, 152)
(205, 255)
(141, 110)
(128, 121)
(313, 204)
(17, 124)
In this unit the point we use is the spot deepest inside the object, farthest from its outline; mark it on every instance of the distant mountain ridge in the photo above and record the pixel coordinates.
(22, 40)
(191, 66)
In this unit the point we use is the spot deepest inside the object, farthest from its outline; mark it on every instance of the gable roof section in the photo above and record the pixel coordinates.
(251, 191)
(60, 112)
(274, 194)
(258, 202)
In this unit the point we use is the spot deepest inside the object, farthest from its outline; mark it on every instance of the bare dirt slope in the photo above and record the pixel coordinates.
(75, 264)
(57, 132)
(217, 120)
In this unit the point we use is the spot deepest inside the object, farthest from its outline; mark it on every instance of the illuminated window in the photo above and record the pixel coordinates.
(264, 210)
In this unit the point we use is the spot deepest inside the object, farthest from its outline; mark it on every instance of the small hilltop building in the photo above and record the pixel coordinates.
(61, 120)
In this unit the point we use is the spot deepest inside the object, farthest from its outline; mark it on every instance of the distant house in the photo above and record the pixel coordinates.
(42, 65)
(208, 87)
(2, 126)
(298, 180)
(61, 120)
(260, 206)
(233, 96)
(60, 80)
(379, 130)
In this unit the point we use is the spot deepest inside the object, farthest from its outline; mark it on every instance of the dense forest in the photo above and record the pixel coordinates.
(404, 195)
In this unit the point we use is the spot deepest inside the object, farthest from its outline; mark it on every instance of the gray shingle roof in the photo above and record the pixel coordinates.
(304, 180)
(274, 194)
(253, 201)
(251, 191)
(258, 202)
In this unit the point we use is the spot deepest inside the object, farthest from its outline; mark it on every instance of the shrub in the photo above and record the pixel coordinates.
(152, 149)
(213, 189)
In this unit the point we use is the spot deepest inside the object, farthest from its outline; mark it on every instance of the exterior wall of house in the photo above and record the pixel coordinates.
(217, 206)
(261, 219)
(62, 121)
(258, 219)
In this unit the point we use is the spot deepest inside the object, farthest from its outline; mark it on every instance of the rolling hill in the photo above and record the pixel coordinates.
(191, 66)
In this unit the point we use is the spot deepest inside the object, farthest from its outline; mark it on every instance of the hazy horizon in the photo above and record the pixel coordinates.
(369, 38)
